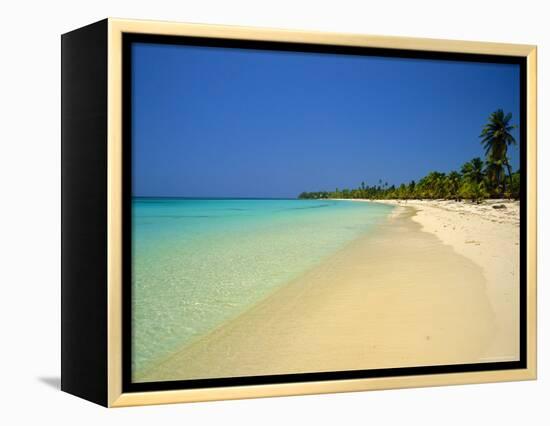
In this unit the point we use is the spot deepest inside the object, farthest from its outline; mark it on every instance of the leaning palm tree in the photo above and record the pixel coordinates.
(496, 137)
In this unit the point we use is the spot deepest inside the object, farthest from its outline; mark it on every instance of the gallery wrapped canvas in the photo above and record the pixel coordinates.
(256, 212)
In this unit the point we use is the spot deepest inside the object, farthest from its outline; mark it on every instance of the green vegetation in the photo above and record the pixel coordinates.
(477, 179)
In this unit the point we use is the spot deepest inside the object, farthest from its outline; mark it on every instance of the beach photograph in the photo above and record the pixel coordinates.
(303, 212)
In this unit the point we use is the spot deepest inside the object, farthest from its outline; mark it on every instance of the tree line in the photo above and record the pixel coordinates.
(476, 180)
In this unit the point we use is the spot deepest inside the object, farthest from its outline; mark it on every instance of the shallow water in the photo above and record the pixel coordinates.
(197, 263)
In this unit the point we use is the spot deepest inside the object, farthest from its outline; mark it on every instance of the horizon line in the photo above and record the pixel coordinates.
(215, 197)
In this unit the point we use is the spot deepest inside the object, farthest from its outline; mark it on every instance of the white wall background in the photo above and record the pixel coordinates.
(30, 199)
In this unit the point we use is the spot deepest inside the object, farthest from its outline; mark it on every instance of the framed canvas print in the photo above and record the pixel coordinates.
(251, 212)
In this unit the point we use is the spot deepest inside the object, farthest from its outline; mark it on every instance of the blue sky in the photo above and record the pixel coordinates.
(215, 122)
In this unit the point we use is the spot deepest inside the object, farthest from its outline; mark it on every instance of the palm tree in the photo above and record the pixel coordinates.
(496, 137)
(432, 185)
(473, 170)
(453, 184)
(412, 189)
(495, 172)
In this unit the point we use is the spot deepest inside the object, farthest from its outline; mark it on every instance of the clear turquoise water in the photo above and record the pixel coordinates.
(199, 262)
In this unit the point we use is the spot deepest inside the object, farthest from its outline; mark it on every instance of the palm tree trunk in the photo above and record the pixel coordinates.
(509, 175)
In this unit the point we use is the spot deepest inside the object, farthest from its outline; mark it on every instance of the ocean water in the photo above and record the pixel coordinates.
(197, 263)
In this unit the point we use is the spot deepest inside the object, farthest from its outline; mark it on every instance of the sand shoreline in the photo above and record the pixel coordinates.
(374, 304)
(490, 238)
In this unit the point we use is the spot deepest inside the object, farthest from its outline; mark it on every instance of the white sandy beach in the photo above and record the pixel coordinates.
(438, 283)
(490, 238)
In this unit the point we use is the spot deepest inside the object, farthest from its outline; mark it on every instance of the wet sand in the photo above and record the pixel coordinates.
(396, 297)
